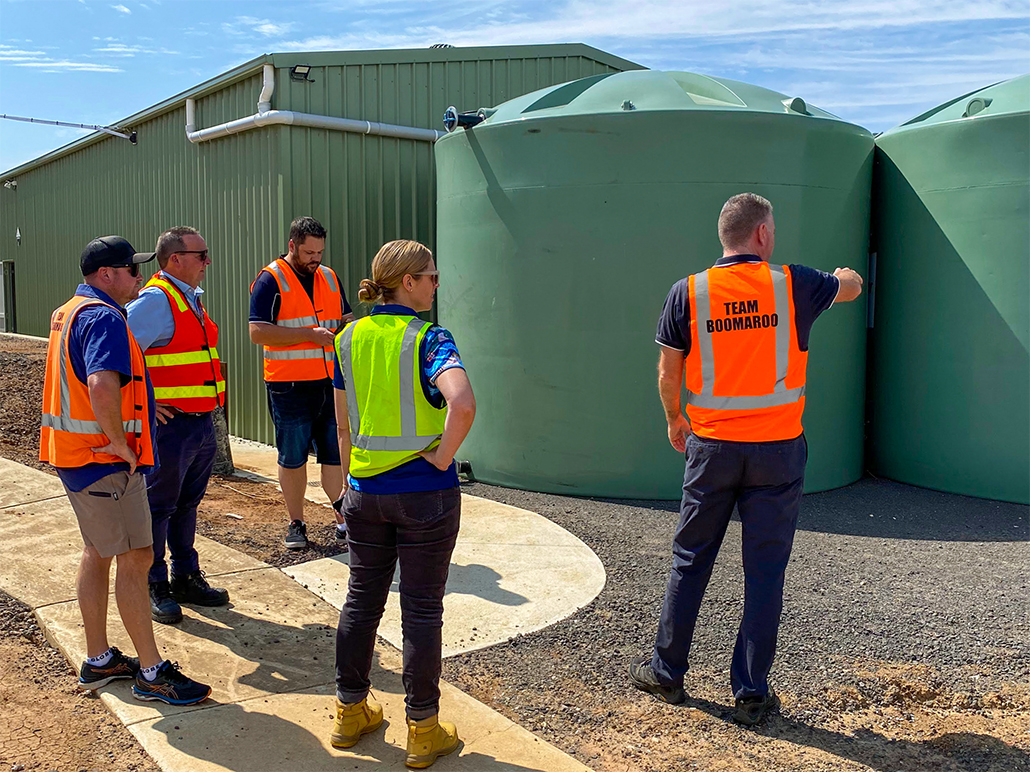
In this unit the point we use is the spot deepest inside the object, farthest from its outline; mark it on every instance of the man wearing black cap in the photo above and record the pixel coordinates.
(96, 429)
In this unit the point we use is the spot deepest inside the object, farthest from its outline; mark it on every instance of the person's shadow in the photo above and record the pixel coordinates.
(966, 751)
(236, 738)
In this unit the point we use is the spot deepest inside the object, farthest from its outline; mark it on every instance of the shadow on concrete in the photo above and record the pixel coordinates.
(253, 742)
(955, 752)
(890, 510)
(473, 579)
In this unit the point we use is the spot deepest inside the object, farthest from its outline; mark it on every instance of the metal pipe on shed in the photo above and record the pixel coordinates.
(265, 116)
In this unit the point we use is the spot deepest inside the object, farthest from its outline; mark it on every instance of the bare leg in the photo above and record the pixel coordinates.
(91, 590)
(294, 483)
(332, 484)
(130, 590)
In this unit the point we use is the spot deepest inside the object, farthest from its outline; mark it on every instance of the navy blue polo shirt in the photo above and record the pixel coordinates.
(813, 292)
(437, 353)
(99, 340)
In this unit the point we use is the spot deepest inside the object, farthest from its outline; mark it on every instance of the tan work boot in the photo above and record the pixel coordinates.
(428, 739)
(354, 719)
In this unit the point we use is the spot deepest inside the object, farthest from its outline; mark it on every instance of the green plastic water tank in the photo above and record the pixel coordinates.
(564, 219)
(950, 370)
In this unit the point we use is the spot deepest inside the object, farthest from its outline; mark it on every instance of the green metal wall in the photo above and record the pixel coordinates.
(562, 229)
(242, 191)
(950, 364)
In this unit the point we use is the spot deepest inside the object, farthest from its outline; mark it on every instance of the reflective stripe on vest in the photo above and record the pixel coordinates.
(409, 439)
(75, 426)
(780, 395)
(185, 358)
(317, 353)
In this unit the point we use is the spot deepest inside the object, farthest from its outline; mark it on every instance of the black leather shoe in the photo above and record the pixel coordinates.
(163, 607)
(750, 710)
(194, 589)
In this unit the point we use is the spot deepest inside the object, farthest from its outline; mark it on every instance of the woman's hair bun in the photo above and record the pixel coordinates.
(369, 291)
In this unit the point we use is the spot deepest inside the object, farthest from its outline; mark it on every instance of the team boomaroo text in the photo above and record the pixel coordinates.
(742, 316)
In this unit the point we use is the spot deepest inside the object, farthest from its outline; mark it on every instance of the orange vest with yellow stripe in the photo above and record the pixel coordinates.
(69, 428)
(186, 371)
(745, 374)
(303, 361)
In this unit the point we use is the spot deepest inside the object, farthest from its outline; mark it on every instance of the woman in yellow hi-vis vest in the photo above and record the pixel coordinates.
(403, 407)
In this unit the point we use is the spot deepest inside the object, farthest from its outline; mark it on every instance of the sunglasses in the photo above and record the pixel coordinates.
(435, 275)
(201, 252)
(133, 269)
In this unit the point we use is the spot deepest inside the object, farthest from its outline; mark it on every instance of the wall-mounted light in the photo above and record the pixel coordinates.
(300, 72)
(11, 184)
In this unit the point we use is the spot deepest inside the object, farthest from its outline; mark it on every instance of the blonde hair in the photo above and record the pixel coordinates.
(392, 262)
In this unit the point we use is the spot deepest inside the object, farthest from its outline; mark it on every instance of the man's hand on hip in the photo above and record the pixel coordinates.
(163, 412)
(123, 451)
(679, 429)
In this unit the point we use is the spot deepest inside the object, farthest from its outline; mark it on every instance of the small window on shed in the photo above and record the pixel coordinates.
(562, 95)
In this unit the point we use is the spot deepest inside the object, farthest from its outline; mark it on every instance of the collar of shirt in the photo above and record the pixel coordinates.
(393, 308)
(192, 295)
(722, 262)
(86, 291)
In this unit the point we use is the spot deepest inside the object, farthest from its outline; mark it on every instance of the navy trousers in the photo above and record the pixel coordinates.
(186, 452)
(764, 480)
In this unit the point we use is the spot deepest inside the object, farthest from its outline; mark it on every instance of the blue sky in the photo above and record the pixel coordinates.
(875, 63)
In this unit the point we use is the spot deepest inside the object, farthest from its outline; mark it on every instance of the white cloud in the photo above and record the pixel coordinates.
(250, 25)
(51, 65)
(121, 9)
(120, 49)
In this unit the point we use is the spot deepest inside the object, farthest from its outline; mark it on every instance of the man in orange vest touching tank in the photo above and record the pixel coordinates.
(180, 344)
(738, 334)
(97, 430)
(296, 306)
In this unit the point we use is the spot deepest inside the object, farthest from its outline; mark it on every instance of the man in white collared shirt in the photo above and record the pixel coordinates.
(172, 327)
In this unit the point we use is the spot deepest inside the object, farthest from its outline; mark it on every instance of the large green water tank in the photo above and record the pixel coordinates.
(950, 380)
(564, 219)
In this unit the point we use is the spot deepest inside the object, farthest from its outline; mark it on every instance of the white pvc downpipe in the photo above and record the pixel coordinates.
(266, 116)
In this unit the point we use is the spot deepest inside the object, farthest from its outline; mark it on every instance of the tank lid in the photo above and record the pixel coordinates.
(1005, 98)
(650, 90)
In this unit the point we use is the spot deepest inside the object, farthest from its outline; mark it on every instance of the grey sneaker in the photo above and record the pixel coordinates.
(642, 676)
(341, 538)
(296, 535)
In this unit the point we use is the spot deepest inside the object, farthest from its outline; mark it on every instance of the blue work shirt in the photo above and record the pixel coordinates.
(99, 340)
(150, 315)
(437, 353)
(813, 291)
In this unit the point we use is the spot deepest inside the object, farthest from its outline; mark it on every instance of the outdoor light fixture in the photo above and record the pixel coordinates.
(11, 184)
(300, 72)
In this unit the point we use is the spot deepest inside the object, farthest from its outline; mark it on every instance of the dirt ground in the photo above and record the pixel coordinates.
(961, 713)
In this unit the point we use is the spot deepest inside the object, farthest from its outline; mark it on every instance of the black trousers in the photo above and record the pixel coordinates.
(764, 480)
(418, 530)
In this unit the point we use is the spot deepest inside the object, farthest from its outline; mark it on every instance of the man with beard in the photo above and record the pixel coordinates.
(296, 306)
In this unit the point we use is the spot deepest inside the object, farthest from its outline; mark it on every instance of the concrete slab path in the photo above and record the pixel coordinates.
(512, 572)
(268, 657)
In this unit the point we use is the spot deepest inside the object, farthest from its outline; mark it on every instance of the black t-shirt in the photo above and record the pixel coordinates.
(813, 292)
(265, 299)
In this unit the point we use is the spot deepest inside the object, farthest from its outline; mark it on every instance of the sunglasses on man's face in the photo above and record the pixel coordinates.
(201, 253)
(133, 269)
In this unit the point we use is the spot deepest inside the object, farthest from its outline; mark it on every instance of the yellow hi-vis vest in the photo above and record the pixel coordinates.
(390, 418)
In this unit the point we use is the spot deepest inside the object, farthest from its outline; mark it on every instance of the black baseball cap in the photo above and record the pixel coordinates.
(110, 251)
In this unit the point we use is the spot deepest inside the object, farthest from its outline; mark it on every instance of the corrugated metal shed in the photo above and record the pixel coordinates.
(242, 191)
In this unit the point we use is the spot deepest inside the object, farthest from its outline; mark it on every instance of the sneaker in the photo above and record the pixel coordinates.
(428, 739)
(118, 667)
(353, 720)
(642, 676)
(751, 710)
(193, 588)
(163, 607)
(296, 535)
(341, 538)
(170, 686)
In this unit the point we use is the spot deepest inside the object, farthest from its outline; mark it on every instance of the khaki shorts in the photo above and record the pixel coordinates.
(114, 514)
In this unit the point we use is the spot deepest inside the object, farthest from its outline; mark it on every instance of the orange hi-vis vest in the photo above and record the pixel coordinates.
(186, 371)
(745, 374)
(70, 429)
(303, 361)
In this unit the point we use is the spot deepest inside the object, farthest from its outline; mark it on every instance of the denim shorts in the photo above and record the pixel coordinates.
(304, 415)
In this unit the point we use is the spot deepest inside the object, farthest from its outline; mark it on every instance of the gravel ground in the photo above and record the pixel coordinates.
(897, 598)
